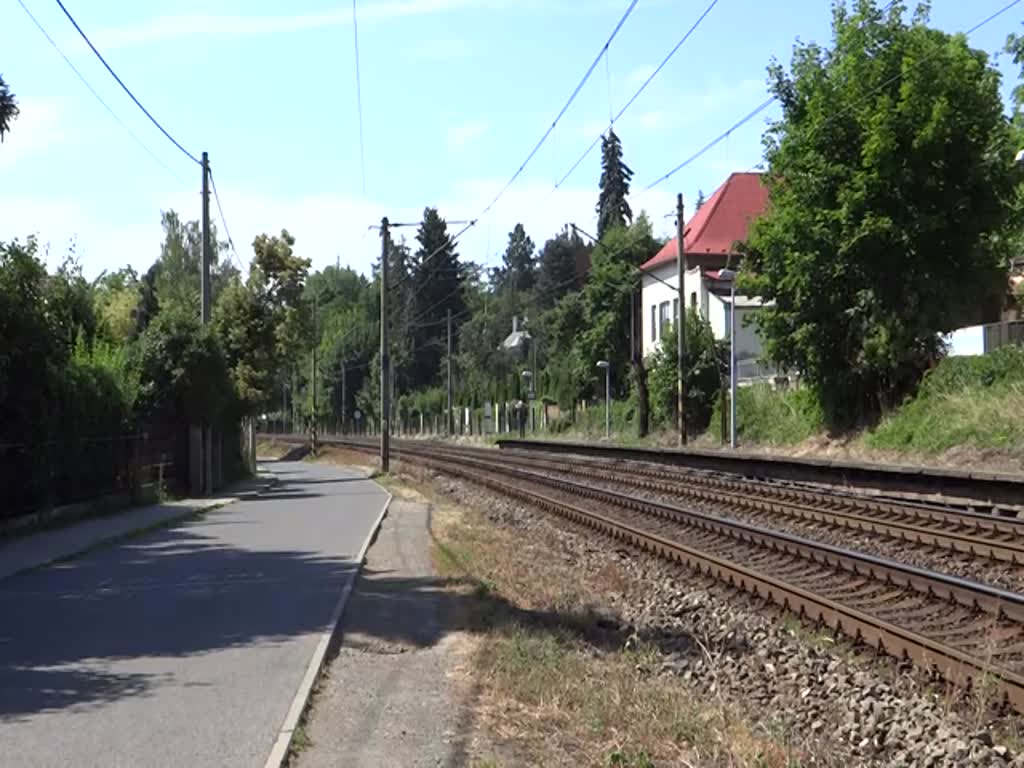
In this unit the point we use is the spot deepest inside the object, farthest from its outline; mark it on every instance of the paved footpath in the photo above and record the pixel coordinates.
(396, 651)
(187, 645)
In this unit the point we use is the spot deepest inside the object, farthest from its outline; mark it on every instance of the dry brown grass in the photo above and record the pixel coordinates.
(270, 448)
(541, 691)
(348, 458)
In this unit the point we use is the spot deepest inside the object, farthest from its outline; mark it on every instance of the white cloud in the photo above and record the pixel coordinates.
(443, 49)
(653, 120)
(462, 134)
(592, 127)
(638, 75)
(41, 124)
(161, 29)
(326, 227)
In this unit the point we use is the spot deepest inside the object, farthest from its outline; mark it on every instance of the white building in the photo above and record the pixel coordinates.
(711, 237)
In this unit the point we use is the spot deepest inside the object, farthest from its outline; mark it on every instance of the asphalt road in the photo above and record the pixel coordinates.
(184, 646)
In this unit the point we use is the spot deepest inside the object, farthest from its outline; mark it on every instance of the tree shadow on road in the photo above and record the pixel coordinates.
(108, 625)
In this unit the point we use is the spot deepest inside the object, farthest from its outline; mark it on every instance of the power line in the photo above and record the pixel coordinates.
(768, 102)
(224, 222)
(721, 137)
(639, 91)
(452, 241)
(99, 98)
(359, 97)
(125, 87)
(568, 103)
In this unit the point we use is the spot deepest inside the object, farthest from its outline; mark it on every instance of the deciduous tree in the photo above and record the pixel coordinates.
(891, 180)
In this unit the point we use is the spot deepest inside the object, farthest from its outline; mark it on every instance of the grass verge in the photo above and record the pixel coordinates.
(972, 402)
(556, 682)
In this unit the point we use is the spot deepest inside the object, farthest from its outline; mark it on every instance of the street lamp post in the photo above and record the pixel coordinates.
(730, 275)
(607, 397)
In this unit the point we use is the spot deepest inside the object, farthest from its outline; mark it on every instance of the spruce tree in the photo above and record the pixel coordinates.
(557, 272)
(437, 280)
(612, 207)
(518, 272)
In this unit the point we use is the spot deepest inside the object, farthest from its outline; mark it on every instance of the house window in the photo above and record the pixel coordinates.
(675, 311)
(654, 323)
(663, 316)
(693, 298)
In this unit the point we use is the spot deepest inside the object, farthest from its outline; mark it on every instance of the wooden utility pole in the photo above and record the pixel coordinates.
(681, 320)
(448, 420)
(385, 354)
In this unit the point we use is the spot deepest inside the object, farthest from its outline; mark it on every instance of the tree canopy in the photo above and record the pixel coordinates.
(891, 181)
(8, 108)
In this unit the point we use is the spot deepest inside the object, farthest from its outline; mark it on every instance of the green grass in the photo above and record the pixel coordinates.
(965, 401)
(769, 416)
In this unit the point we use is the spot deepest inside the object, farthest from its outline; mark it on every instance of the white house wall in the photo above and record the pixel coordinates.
(655, 293)
(714, 308)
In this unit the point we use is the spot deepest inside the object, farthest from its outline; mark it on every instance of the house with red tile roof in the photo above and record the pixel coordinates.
(710, 239)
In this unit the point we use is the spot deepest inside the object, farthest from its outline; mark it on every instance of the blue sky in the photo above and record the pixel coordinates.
(455, 94)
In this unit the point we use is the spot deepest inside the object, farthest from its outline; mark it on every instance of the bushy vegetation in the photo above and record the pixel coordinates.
(767, 415)
(706, 357)
(963, 401)
(877, 238)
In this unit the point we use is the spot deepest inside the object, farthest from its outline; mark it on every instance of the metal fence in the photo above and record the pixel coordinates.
(46, 474)
(1003, 334)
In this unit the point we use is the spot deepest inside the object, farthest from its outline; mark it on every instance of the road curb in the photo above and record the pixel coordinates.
(279, 753)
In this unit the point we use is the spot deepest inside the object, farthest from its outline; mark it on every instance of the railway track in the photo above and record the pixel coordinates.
(997, 492)
(970, 632)
(972, 533)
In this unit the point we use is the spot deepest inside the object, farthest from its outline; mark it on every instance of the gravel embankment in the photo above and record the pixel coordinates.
(785, 675)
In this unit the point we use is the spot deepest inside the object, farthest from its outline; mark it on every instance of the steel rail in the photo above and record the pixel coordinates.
(956, 664)
(968, 533)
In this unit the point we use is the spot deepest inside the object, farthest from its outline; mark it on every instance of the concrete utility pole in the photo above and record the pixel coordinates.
(312, 372)
(204, 283)
(681, 320)
(448, 421)
(385, 354)
(205, 433)
(344, 400)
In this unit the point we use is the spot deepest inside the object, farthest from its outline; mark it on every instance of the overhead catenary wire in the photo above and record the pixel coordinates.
(638, 92)
(99, 98)
(564, 109)
(224, 223)
(771, 100)
(120, 82)
(359, 96)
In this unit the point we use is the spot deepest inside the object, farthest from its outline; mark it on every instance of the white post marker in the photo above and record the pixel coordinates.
(607, 397)
(730, 275)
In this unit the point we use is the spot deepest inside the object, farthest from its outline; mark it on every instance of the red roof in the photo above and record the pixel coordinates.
(723, 219)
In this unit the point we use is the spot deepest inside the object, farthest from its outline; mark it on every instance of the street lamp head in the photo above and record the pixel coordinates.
(603, 364)
(1019, 158)
(527, 374)
(727, 274)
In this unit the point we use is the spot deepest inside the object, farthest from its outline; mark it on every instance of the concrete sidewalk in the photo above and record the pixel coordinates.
(23, 553)
(389, 700)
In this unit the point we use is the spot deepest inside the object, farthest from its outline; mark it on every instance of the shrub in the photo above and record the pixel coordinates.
(771, 416)
(975, 401)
